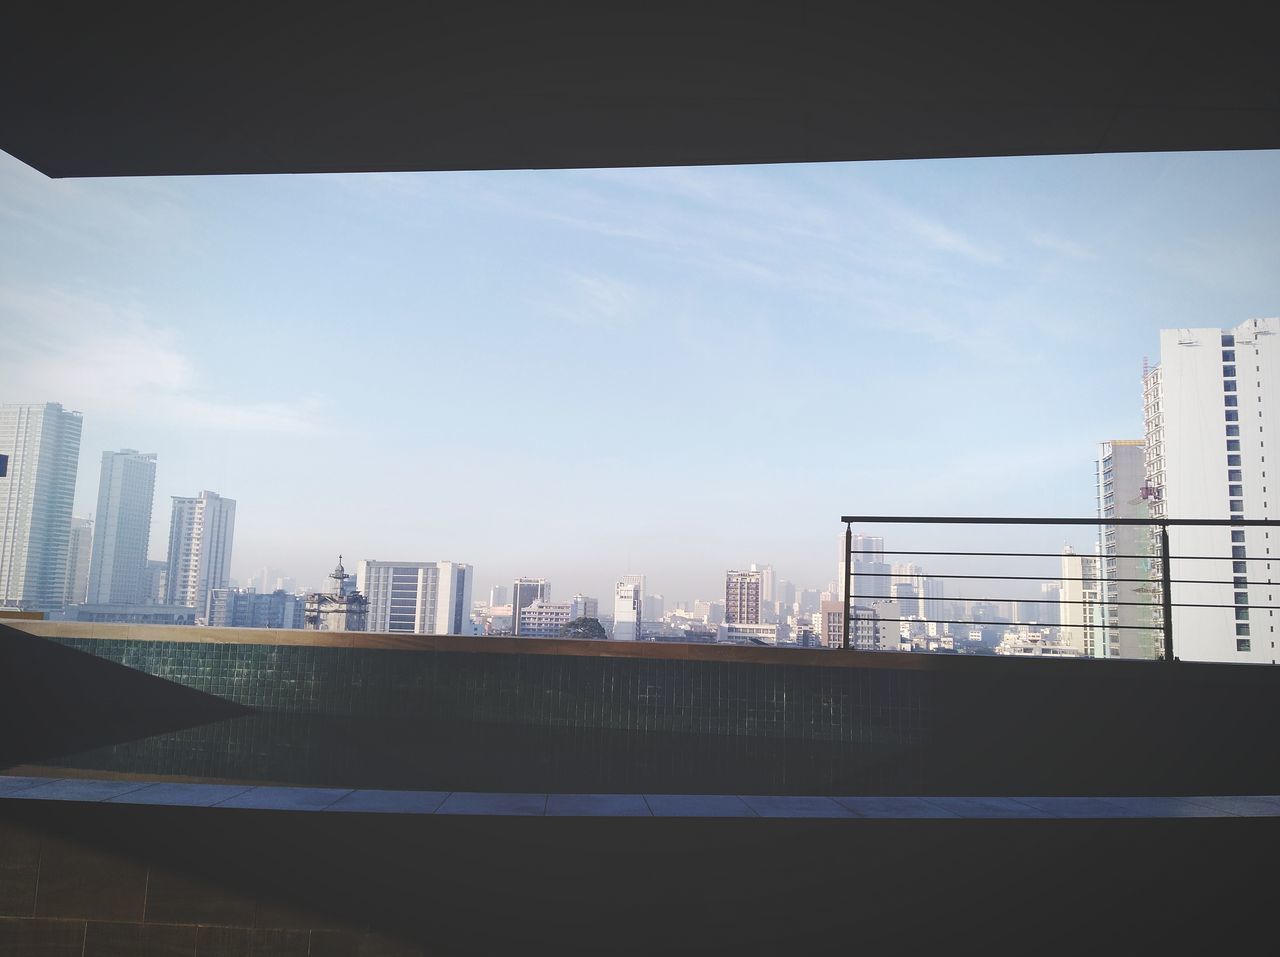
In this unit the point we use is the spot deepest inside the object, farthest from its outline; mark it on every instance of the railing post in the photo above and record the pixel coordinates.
(1166, 590)
(848, 574)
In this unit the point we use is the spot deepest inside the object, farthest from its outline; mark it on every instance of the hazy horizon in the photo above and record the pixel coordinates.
(580, 374)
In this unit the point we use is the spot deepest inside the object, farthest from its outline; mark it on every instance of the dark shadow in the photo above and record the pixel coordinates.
(56, 701)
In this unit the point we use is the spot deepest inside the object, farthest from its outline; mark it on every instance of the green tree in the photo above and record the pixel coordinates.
(584, 628)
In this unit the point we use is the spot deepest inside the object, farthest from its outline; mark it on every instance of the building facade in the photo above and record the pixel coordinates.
(419, 598)
(339, 608)
(742, 597)
(525, 591)
(545, 619)
(201, 534)
(628, 608)
(126, 488)
(242, 608)
(1081, 604)
(42, 445)
(1124, 552)
(79, 554)
(1209, 407)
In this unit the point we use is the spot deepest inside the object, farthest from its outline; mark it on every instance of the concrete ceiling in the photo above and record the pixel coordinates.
(274, 87)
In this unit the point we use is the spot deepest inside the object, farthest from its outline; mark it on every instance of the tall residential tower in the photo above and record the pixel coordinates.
(117, 573)
(1210, 406)
(42, 443)
(201, 531)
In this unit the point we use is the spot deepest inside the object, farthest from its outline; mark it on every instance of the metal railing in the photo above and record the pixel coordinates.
(1158, 579)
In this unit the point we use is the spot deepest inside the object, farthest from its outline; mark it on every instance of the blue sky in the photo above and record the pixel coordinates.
(577, 374)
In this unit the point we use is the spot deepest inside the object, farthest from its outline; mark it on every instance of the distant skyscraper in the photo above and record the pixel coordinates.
(1125, 564)
(157, 578)
(126, 488)
(42, 443)
(871, 575)
(583, 607)
(627, 608)
(497, 595)
(524, 592)
(201, 532)
(638, 581)
(1081, 603)
(742, 598)
(1210, 406)
(766, 583)
(79, 552)
(654, 608)
(421, 598)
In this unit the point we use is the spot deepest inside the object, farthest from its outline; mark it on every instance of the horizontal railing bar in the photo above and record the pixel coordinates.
(972, 520)
(1099, 603)
(1037, 624)
(1042, 578)
(1153, 557)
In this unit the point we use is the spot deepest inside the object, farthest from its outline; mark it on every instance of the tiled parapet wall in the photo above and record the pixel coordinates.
(1089, 714)
(644, 687)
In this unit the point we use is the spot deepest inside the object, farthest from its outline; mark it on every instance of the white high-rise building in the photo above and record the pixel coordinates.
(545, 619)
(117, 574)
(419, 598)
(79, 553)
(639, 581)
(628, 608)
(1125, 553)
(42, 443)
(1081, 604)
(742, 598)
(201, 532)
(524, 592)
(1209, 408)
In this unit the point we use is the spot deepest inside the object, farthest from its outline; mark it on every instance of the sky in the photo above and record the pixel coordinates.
(578, 374)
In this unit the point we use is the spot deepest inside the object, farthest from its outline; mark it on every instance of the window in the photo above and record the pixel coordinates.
(1228, 342)
(1235, 490)
(1242, 614)
(1240, 582)
(1229, 371)
(1240, 568)
(1233, 415)
(1237, 551)
(1229, 385)
(1242, 644)
(1235, 429)
(1237, 536)
(1230, 400)
(1228, 355)
(1233, 460)
(1234, 475)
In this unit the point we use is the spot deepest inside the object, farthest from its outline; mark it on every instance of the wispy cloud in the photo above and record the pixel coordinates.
(1061, 246)
(87, 354)
(594, 301)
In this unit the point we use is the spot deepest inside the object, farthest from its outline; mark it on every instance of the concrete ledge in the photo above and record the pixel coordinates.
(506, 804)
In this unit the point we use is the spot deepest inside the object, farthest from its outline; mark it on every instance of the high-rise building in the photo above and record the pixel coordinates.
(742, 598)
(628, 608)
(1081, 613)
(42, 445)
(126, 488)
(201, 532)
(79, 552)
(639, 581)
(654, 608)
(871, 574)
(766, 583)
(583, 607)
(524, 592)
(420, 598)
(1125, 553)
(1210, 406)
(157, 581)
(497, 595)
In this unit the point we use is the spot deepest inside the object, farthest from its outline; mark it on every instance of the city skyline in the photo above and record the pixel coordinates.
(949, 286)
